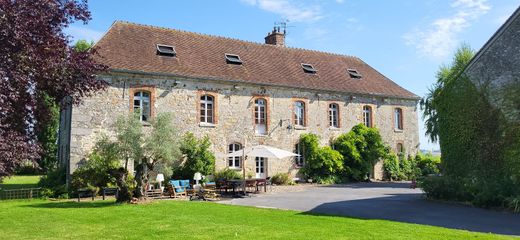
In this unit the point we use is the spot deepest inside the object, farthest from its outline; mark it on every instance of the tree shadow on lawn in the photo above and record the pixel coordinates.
(413, 208)
(73, 204)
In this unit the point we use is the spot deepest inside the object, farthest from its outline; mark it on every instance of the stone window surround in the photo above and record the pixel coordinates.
(397, 147)
(305, 113)
(267, 110)
(213, 94)
(401, 120)
(339, 114)
(143, 88)
(371, 111)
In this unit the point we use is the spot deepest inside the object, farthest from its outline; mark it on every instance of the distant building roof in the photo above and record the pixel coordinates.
(133, 47)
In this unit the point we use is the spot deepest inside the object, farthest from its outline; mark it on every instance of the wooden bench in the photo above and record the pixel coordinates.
(85, 192)
(109, 191)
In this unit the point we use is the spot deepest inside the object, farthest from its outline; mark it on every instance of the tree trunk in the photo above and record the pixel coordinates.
(140, 178)
(123, 194)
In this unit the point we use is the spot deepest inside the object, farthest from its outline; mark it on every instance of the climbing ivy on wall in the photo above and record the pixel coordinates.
(479, 146)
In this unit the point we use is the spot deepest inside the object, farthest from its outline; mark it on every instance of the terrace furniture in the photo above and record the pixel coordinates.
(179, 188)
(85, 192)
(109, 191)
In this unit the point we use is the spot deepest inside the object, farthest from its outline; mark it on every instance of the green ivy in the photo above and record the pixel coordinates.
(480, 146)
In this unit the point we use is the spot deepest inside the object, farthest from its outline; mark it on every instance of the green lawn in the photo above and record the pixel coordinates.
(196, 220)
(17, 182)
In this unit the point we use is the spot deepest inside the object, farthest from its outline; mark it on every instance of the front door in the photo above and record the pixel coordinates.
(260, 167)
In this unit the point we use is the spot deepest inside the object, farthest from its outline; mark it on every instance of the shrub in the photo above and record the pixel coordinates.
(282, 179)
(440, 187)
(428, 164)
(54, 183)
(198, 157)
(361, 149)
(391, 167)
(321, 163)
(28, 168)
(96, 172)
(227, 174)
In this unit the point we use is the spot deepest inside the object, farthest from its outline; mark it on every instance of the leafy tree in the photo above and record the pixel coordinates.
(197, 157)
(48, 136)
(36, 62)
(361, 148)
(129, 138)
(97, 171)
(83, 45)
(446, 75)
(160, 147)
(322, 164)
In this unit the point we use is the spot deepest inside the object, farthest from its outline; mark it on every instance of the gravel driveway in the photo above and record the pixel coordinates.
(392, 201)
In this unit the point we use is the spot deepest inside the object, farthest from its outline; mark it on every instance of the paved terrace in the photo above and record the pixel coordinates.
(391, 201)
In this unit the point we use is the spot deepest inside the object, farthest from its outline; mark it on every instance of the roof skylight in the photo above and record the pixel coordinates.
(308, 68)
(233, 58)
(354, 73)
(166, 50)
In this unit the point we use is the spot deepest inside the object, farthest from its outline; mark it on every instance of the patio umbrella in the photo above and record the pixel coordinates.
(259, 151)
(263, 151)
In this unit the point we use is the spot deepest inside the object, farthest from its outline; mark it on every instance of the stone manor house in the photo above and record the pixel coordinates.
(237, 91)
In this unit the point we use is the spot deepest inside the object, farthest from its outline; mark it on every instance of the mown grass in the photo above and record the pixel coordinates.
(39, 219)
(17, 182)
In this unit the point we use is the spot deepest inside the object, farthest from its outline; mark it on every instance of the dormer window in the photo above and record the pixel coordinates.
(166, 50)
(233, 59)
(354, 73)
(308, 68)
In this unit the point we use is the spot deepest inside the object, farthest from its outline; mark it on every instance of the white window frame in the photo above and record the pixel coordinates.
(299, 113)
(367, 116)
(207, 102)
(234, 162)
(261, 113)
(143, 102)
(299, 160)
(334, 115)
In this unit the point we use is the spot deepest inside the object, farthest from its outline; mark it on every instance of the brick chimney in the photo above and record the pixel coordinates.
(276, 37)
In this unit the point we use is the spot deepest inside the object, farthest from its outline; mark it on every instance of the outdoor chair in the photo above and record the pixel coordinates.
(178, 188)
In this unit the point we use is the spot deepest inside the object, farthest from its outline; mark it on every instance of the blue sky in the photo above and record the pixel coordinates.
(406, 40)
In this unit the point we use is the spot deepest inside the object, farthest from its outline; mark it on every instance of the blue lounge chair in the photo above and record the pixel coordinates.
(178, 188)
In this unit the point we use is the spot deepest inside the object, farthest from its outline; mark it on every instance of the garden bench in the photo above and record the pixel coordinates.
(109, 191)
(85, 192)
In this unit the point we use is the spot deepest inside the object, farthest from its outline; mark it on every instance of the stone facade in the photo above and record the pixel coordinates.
(495, 68)
(180, 96)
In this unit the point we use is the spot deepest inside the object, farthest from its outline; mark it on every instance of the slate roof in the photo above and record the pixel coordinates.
(132, 47)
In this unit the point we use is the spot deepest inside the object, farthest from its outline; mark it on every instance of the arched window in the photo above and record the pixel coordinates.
(142, 105)
(260, 116)
(299, 113)
(333, 115)
(207, 109)
(398, 119)
(367, 116)
(298, 160)
(234, 162)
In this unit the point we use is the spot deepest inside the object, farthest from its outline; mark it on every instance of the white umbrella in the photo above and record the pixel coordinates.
(263, 151)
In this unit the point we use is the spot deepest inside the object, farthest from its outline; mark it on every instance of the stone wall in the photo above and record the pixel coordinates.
(496, 69)
(235, 116)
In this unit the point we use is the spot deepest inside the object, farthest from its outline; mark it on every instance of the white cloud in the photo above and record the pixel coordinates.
(340, 1)
(441, 37)
(289, 9)
(79, 33)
